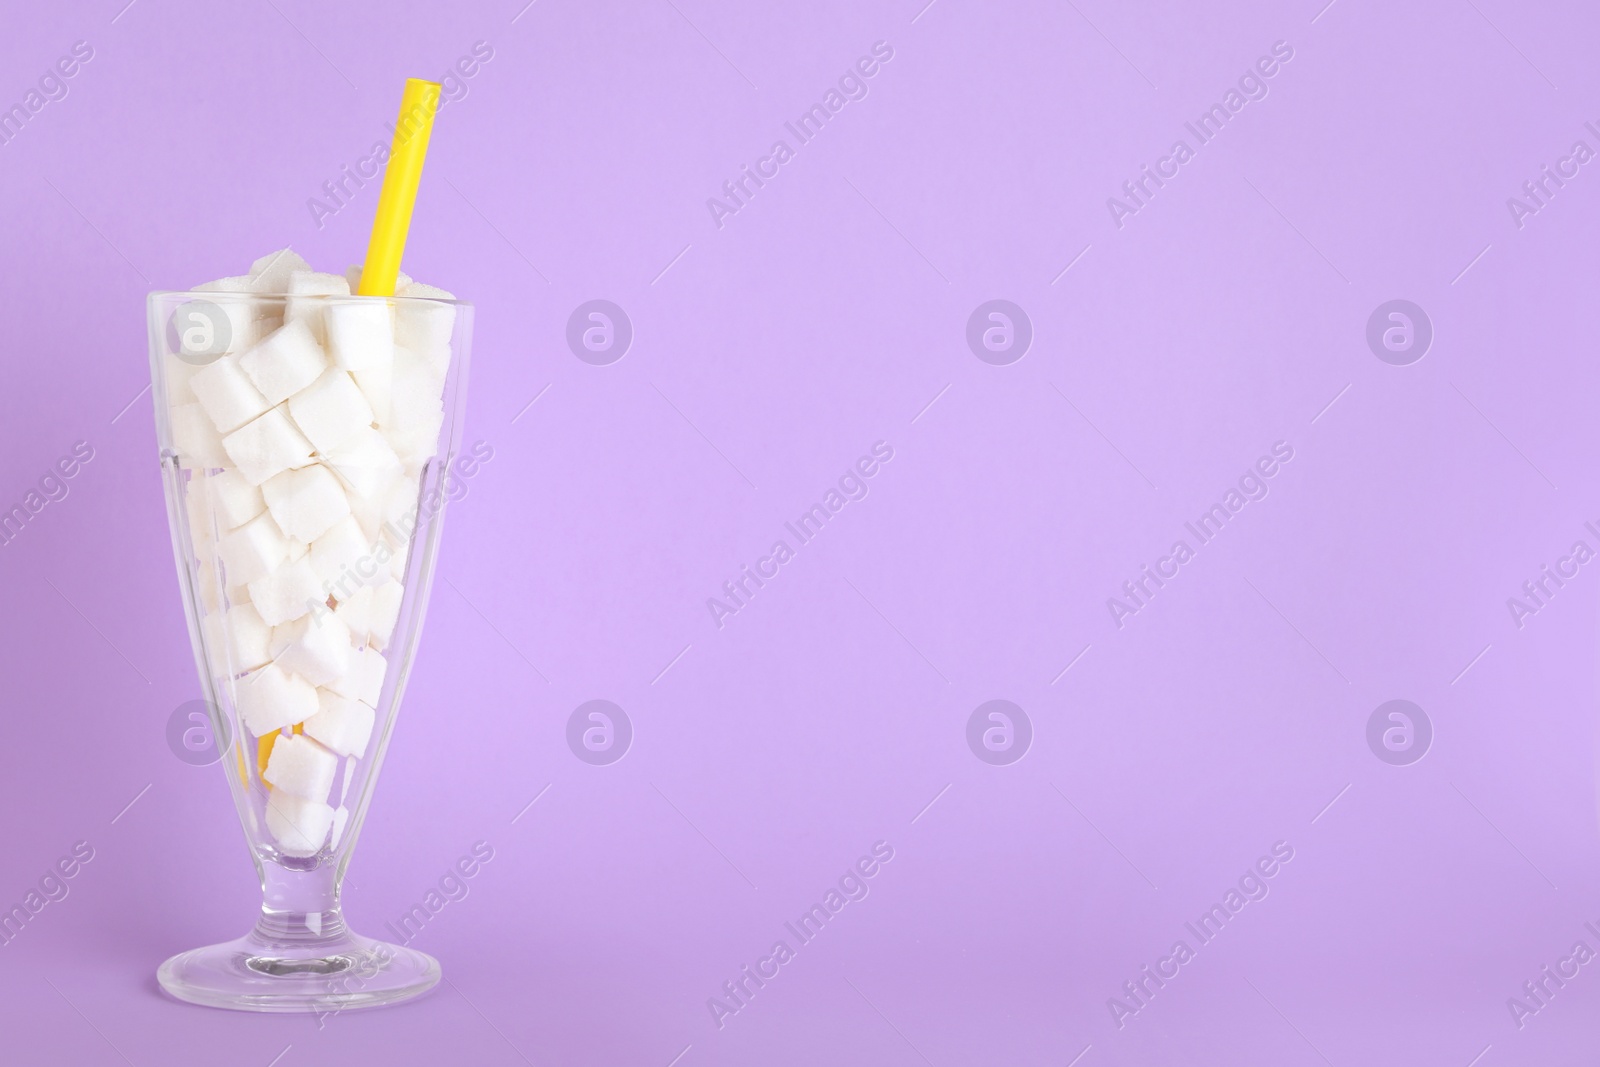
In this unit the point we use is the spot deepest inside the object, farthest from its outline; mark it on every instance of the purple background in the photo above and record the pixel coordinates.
(770, 354)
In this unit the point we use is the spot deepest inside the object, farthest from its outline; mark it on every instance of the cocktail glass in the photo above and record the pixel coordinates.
(301, 956)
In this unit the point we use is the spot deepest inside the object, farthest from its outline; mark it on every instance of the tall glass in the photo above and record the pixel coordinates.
(306, 447)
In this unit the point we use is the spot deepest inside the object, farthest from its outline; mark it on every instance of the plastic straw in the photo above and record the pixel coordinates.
(418, 105)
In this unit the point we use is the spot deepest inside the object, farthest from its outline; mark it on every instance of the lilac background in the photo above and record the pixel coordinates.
(831, 711)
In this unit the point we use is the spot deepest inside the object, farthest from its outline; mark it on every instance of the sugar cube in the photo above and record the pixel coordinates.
(416, 412)
(227, 394)
(196, 439)
(267, 446)
(344, 559)
(331, 410)
(306, 301)
(270, 273)
(305, 502)
(206, 587)
(397, 563)
(198, 508)
(177, 373)
(298, 824)
(384, 612)
(315, 646)
(234, 500)
(271, 698)
(424, 323)
(237, 639)
(360, 335)
(377, 382)
(364, 679)
(245, 317)
(301, 766)
(252, 550)
(239, 284)
(287, 592)
(344, 725)
(356, 611)
(365, 463)
(286, 362)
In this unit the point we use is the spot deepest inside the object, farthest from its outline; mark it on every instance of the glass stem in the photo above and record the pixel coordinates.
(300, 907)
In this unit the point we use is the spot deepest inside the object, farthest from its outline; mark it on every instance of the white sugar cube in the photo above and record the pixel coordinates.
(360, 334)
(297, 549)
(227, 394)
(397, 566)
(344, 725)
(307, 301)
(345, 559)
(402, 506)
(341, 819)
(177, 373)
(384, 612)
(356, 611)
(198, 508)
(368, 513)
(301, 766)
(377, 383)
(394, 504)
(416, 414)
(331, 410)
(315, 646)
(207, 588)
(252, 550)
(421, 290)
(267, 446)
(225, 285)
(305, 502)
(234, 500)
(196, 439)
(245, 318)
(423, 325)
(364, 680)
(365, 463)
(287, 592)
(238, 640)
(270, 273)
(286, 362)
(298, 824)
(271, 698)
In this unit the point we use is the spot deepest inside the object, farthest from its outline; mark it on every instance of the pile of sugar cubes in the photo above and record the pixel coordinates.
(304, 442)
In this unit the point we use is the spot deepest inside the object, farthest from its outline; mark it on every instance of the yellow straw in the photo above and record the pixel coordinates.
(400, 181)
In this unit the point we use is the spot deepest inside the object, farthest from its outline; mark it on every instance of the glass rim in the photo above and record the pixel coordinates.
(210, 294)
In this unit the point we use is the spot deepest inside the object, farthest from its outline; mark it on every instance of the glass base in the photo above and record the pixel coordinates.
(324, 976)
